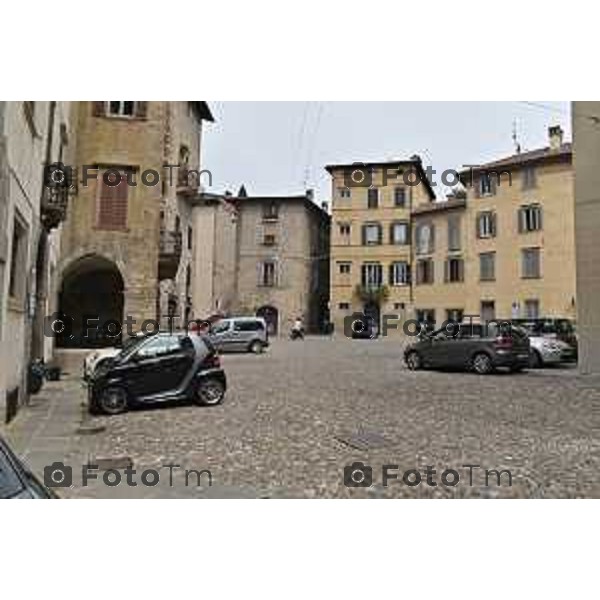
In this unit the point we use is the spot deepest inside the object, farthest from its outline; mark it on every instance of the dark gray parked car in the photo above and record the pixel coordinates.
(477, 347)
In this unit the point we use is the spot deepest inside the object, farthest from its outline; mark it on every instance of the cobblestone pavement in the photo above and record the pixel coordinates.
(286, 429)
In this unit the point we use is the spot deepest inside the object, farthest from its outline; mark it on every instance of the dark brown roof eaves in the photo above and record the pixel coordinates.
(202, 110)
(391, 163)
(539, 155)
(435, 207)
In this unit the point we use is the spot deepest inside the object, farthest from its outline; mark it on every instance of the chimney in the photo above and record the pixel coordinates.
(310, 194)
(555, 135)
(325, 207)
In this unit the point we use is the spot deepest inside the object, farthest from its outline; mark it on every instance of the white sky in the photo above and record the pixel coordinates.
(282, 147)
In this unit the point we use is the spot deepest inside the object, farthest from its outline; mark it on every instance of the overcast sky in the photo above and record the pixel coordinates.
(281, 148)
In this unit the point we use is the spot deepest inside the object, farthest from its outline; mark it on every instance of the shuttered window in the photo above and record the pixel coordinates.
(530, 218)
(487, 266)
(486, 225)
(399, 234)
(454, 270)
(399, 273)
(372, 275)
(371, 234)
(112, 203)
(530, 263)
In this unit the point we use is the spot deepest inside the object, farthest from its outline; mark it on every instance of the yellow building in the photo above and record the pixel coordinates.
(507, 248)
(371, 238)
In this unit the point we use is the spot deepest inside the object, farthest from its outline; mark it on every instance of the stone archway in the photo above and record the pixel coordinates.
(92, 291)
(271, 315)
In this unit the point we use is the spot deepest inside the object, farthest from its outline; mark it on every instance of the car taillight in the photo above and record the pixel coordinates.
(503, 342)
(212, 361)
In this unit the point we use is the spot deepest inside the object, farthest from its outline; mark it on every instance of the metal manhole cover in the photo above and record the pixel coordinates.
(116, 462)
(363, 440)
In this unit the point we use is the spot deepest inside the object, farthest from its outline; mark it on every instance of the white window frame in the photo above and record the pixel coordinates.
(405, 237)
(369, 228)
(121, 114)
(400, 273)
(485, 227)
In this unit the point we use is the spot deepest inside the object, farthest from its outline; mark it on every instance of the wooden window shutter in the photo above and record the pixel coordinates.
(379, 233)
(392, 240)
(493, 224)
(432, 238)
(446, 271)
(364, 235)
(478, 226)
(477, 185)
(98, 108)
(391, 274)
(521, 220)
(141, 110)
(461, 270)
(494, 183)
(112, 211)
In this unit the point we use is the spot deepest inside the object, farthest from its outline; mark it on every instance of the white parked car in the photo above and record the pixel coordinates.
(549, 351)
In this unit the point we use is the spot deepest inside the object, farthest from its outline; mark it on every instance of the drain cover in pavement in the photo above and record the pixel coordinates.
(115, 462)
(363, 440)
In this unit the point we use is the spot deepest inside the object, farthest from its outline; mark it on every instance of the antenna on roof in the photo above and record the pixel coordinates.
(515, 138)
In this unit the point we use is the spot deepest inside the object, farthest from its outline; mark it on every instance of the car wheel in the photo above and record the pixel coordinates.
(210, 392)
(482, 364)
(256, 347)
(535, 360)
(413, 361)
(113, 400)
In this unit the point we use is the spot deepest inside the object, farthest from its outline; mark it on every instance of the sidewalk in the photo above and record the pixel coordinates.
(55, 427)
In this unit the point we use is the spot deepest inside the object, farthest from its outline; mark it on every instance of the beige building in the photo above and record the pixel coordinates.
(282, 265)
(128, 239)
(32, 135)
(371, 252)
(506, 248)
(586, 160)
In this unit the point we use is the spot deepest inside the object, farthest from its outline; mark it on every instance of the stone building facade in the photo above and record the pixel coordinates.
(371, 250)
(32, 135)
(282, 266)
(125, 234)
(502, 247)
(586, 161)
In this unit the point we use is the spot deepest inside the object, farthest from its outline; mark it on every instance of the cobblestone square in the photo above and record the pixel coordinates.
(294, 417)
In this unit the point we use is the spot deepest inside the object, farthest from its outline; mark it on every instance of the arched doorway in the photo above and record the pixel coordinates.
(271, 315)
(92, 293)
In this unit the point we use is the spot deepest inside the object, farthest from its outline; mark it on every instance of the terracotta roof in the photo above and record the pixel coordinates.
(439, 206)
(538, 155)
(392, 163)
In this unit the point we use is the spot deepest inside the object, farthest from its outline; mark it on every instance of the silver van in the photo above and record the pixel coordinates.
(240, 334)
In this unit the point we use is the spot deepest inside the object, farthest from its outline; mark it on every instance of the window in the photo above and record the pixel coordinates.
(487, 185)
(488, 310)
(532, 309)
(399, 273)
(487, 266)
(344, 192)
(271, 211)
(400, 197)
(486, 224)
(344, 306)
(249, 325)
(344, 268)
(371, 234)
(455, 314)
(530, 218)
(268, 274)
(529, 178)
(268, 239)
(425, 315)
(118, 108)
(344, 228)
(425, 238)
(530, 263)
(454, 270)
(372, 275)
(425, 271)
(453, 234)
(112, 202)
(18, 258)
(163, 346)
(399, 234)
(372, 198)
(190, 238)
(399, 305)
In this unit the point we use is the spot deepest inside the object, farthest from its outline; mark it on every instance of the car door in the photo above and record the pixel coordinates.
(440, 351)
(242, 334)
(221, 335)
(174, 361)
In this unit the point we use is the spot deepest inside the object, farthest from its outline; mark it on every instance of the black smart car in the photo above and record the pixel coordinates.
(481, 348)
(161, 368)
(16, 480)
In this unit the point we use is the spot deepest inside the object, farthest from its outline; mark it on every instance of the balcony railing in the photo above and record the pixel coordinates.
(55, 201)
(169, 253)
